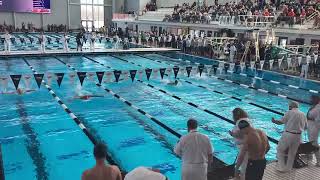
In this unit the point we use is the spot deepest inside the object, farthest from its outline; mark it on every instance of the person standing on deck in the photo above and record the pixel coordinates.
(314, 125)
(42, 40)
(7, 43)
(79, 40)
(65, 40)
(195, 150)
(238, 116)
(101, 171)
(255, 146)
(295, 122)
(92, 41)
(305, 66)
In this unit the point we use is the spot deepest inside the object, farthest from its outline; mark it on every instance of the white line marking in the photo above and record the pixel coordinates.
(82, 126)
(243, 85)
(64, 106)
(275, 82)
(313, 91)
(73, 116)
(294, 86)
(57, 98)
(228, 80)
(262, 90)
(282, 96)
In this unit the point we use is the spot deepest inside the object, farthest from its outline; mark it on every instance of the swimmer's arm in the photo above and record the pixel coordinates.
(177, 148)
(241, 156)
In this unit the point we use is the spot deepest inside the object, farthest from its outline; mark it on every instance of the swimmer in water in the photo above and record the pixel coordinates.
(175, 83)
(86, 97)
(19, 91)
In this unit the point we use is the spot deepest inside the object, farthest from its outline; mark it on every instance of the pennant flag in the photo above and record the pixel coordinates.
(299, 60)
(100, 76)
(117, 75)
(232, 65)
(215, 68)
(162, 72)
(108, 74)
(148, 73)
(226, 68)
(16, 80)
(200, 69)
(90, 75)
(280, 62)
(81, 76)
(289, 62)
(133, 74)
(27, 81)
(252, 63)
(271, 63)
(176, 71)
(59, 78)
(155, 73)
(126, 75)
(140, 74)
(4, 82)
(188, 69)
(38, 78)
(49, 78)
(261, 64)
(242, 65)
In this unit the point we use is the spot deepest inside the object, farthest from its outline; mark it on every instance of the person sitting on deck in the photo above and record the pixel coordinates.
(101, 171)
(195, 150)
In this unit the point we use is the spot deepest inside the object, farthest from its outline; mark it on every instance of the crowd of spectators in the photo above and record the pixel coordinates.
(29, 27)
(245, 12)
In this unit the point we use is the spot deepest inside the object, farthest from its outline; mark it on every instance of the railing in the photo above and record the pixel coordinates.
(119, 16)
(256, 20)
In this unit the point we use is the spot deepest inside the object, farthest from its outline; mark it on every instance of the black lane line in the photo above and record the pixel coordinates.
(164, 126)
(250, 87)
(230, 96)
(32, 143)
(197, 106)
(71, 114)
(1, 166)
(267, 80)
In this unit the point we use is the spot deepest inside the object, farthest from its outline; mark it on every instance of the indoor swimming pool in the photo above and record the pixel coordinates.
(140, 117)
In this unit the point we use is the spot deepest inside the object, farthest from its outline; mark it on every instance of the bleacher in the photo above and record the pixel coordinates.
(156, 15)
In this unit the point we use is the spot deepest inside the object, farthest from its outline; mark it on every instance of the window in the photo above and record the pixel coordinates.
(92, 13)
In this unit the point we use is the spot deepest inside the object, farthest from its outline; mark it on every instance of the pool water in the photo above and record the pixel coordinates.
(40, 141)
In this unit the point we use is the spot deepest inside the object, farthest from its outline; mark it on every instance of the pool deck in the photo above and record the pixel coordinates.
(311, 172)
(55, 52)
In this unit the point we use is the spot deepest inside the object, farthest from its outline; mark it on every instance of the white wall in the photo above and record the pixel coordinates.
(66, 12)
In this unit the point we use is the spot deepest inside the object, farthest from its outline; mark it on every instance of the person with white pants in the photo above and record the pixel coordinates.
(314, 125)
(295, 122)
(195, 150)
(65, 42)
(7, 43)
(92, 41)
(305, 66)
(42, 40)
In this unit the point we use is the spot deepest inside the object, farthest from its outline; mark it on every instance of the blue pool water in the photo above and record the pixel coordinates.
(40, 141)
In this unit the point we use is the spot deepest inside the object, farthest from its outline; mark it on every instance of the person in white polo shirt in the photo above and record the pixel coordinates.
(7, 43)
(195, 150)
(314, 125)
(295, 123)
(143, 173)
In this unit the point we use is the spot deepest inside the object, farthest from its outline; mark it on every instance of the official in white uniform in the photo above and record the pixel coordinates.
(65, 42)
(42, 39)
(314, 125)
(233, 51)
(295, 122)
(195, 150)
(92, 41)
(7, 43)
(305, 66)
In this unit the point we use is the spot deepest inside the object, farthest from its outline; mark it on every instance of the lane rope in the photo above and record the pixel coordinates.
(71, 114)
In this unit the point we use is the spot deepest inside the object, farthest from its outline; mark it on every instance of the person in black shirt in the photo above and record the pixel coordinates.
(79, 39)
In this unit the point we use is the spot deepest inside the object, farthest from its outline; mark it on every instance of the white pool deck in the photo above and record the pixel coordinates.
(131, 50)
